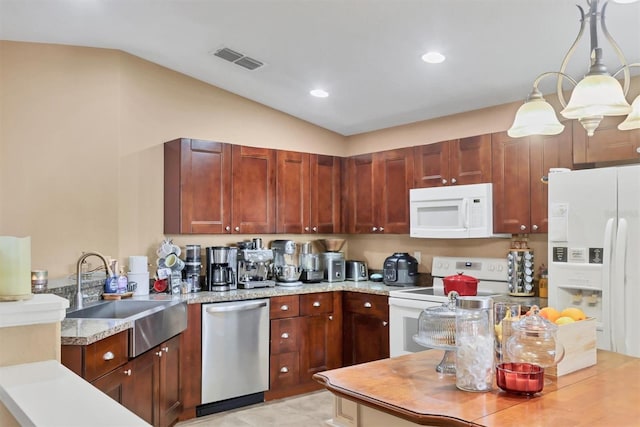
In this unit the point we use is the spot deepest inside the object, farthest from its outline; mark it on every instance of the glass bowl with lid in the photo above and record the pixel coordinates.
(437, 329)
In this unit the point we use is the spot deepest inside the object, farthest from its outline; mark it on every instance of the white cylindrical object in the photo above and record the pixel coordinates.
(15, 268)
(142, 282)
(138, 264)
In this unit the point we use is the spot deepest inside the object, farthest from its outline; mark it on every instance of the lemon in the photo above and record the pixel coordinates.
(564, 320)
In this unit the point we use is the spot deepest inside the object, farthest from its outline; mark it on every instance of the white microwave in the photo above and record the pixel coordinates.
(453, 212)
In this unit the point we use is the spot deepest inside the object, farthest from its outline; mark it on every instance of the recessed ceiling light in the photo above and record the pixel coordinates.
(319, 93)
(433, 57)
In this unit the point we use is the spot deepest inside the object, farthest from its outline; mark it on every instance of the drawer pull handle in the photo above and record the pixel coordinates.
(367, 305)
(165, 349)
(284, 335)
(385, 323)
(284, 369)
(159, 353)
(316, 304)
(108, 356)
(127, 372)
(284, 308)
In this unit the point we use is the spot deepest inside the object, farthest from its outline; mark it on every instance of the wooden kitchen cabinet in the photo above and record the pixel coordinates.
(365, 327)
(378, 191)
(148, 385)
(191, 362)
(519, 195)
(608, 144)
(306, 337)
(214, 188)
(308, 193)
(455, 162)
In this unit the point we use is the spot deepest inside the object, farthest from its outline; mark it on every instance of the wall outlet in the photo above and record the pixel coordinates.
(418, 256)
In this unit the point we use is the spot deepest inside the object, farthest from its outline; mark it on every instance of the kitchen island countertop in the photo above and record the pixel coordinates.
(408, 389)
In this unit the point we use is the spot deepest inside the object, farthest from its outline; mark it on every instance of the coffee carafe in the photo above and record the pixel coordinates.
(310, 266)
(221, 271)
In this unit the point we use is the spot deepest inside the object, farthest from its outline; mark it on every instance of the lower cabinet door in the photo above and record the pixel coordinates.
(140, 396)
(284, 370)
(169, 402)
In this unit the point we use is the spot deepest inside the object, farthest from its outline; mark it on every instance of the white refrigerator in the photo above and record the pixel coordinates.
(594, 250)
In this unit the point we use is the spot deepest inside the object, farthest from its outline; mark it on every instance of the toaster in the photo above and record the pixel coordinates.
(356, 270)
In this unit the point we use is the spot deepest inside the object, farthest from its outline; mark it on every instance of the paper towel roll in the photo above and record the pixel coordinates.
(138, 264)
(15, 268)
(142, 280)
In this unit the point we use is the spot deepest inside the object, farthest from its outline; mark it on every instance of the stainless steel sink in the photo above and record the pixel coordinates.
(153, 321)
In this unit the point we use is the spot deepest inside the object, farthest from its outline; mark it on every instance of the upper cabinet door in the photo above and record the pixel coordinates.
(325, 194)
(393, 177)
(511, 194)
(455, 162)
(293, 201)
(607, 144)
(197, 187)
(546, 152)
(361, 194)
(253, 190)
(470, 160)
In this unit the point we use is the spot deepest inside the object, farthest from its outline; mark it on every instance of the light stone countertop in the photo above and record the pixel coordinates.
(88, 331)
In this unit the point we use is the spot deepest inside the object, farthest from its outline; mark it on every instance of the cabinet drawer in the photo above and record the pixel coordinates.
(284, 370)
(368, 304)
(105, 355)
(284, 306)
(285, 335)
(319, 303)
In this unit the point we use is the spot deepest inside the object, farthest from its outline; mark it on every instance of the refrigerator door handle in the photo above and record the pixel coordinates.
(618, 284)
(607, 280)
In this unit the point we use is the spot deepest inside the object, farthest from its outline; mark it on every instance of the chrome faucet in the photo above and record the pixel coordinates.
(79, 302)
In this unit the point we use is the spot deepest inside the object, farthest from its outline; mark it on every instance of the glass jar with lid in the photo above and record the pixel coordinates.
(474, 344)
(534, 341)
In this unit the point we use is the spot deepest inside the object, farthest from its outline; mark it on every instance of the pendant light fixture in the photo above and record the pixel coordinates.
(597, 95)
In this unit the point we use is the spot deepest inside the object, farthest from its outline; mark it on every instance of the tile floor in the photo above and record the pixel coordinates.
(308, 410)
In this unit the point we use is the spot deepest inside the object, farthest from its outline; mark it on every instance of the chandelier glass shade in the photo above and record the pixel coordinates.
(597, 95)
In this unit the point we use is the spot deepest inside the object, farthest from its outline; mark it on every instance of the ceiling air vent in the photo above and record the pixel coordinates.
(238, 58)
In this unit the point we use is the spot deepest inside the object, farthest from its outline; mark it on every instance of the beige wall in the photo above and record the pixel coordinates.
(81, 134)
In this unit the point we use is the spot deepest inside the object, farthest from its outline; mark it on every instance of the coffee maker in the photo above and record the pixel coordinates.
(285, 266)
(310, 265)
(254, 264)
(221, 268)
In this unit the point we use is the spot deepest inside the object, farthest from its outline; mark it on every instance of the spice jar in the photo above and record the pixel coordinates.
(474, 343)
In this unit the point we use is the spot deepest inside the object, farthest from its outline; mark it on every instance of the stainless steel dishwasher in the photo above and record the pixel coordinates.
(235, 354)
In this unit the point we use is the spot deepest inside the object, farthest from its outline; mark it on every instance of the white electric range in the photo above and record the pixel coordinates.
(406, 304)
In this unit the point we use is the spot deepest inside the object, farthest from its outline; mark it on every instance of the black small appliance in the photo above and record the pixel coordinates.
(400, 269)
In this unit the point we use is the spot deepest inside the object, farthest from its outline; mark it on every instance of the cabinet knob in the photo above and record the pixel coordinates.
(374, 229)
(228, 228)
(127, 372)
(381, 228)
(444, 181)
(638, 150)
(159, 353)
(165, 349)
(331, 317)
(284, 369)
(385, 323)
(284, 307)
(306, 229)
(316, 304)
(523, 227)
(284, 335)
(237, 229)
(108, 356)
(534, 227)
(453, 180)
(367, 304)
(315, 228)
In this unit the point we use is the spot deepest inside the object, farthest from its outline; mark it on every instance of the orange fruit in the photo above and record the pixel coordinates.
(549, 313)
(574, 313)
(564, 320)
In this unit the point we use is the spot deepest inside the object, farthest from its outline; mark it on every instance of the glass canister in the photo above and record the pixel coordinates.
(474, 343)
